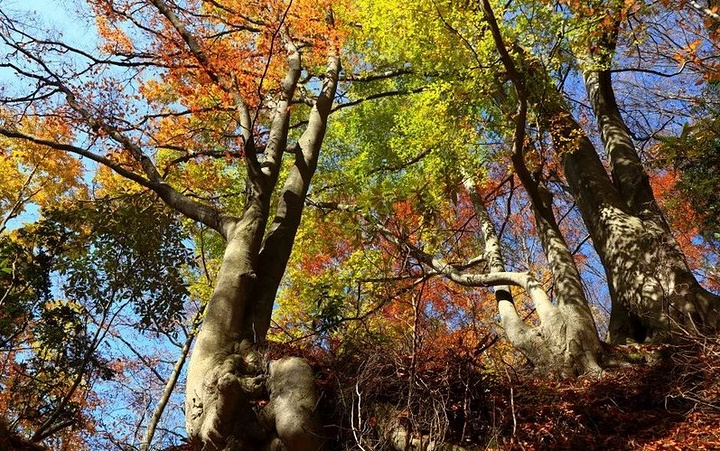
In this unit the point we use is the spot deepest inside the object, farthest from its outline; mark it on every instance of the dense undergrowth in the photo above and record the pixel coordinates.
(662, 397)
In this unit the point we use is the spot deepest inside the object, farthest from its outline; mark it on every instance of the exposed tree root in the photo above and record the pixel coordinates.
(249, 406)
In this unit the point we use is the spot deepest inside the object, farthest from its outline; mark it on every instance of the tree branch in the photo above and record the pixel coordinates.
(193, 210)
(279, 239)
(171, 383)
(225, 83)
(706, 11)
(524, 280)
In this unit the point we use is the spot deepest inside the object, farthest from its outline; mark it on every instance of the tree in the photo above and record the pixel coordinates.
(445, 60)
(654, 291)
(566, 337)
(74, 275)
(217, 82)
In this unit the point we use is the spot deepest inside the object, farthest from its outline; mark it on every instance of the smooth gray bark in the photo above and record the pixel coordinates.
(647, 275)
(223, 376)
(278, 242)
(572, 336)
(528, 340)
(654, 290)
(293, 402)
(569, 334)
(226, 382)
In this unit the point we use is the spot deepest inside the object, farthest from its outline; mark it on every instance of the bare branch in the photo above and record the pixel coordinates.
(171, 383)
(379, 95)
(706, 11)
(651, 71)
(367, 77)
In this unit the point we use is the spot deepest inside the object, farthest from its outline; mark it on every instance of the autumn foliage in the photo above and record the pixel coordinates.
(130, 161)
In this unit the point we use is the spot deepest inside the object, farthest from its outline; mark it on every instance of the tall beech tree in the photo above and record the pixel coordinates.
(493, 79)
(654, 292)
(566, 338)
(195, 102)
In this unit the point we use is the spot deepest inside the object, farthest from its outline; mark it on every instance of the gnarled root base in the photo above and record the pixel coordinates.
(246, 405)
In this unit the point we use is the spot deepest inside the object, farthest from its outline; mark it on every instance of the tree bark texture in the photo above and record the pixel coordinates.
(566, 340)
(653, 291)
(666, 278)
(227, 375)
(572, 335)
(567, 330)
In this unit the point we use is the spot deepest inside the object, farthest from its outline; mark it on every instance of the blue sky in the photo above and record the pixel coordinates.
(40, 17)
(58, 15)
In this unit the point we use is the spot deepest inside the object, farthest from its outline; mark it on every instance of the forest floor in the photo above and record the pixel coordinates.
(668, 399)
(661, 406)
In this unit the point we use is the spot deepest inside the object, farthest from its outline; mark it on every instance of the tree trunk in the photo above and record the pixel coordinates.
(528, 340)
(654, 290)
(228, 378)
(654, 293)
(566, 340)
(568, 331)
(227, 381)
(574, 338)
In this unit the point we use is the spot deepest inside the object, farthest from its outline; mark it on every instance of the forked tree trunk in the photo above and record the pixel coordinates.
(228, 380)
(228, 375)
(566, 340)
(654, 291)
(526, 339)
(575, 338)
(568, 333)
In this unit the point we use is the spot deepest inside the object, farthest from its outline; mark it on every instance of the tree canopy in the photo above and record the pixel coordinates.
(367, 219)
